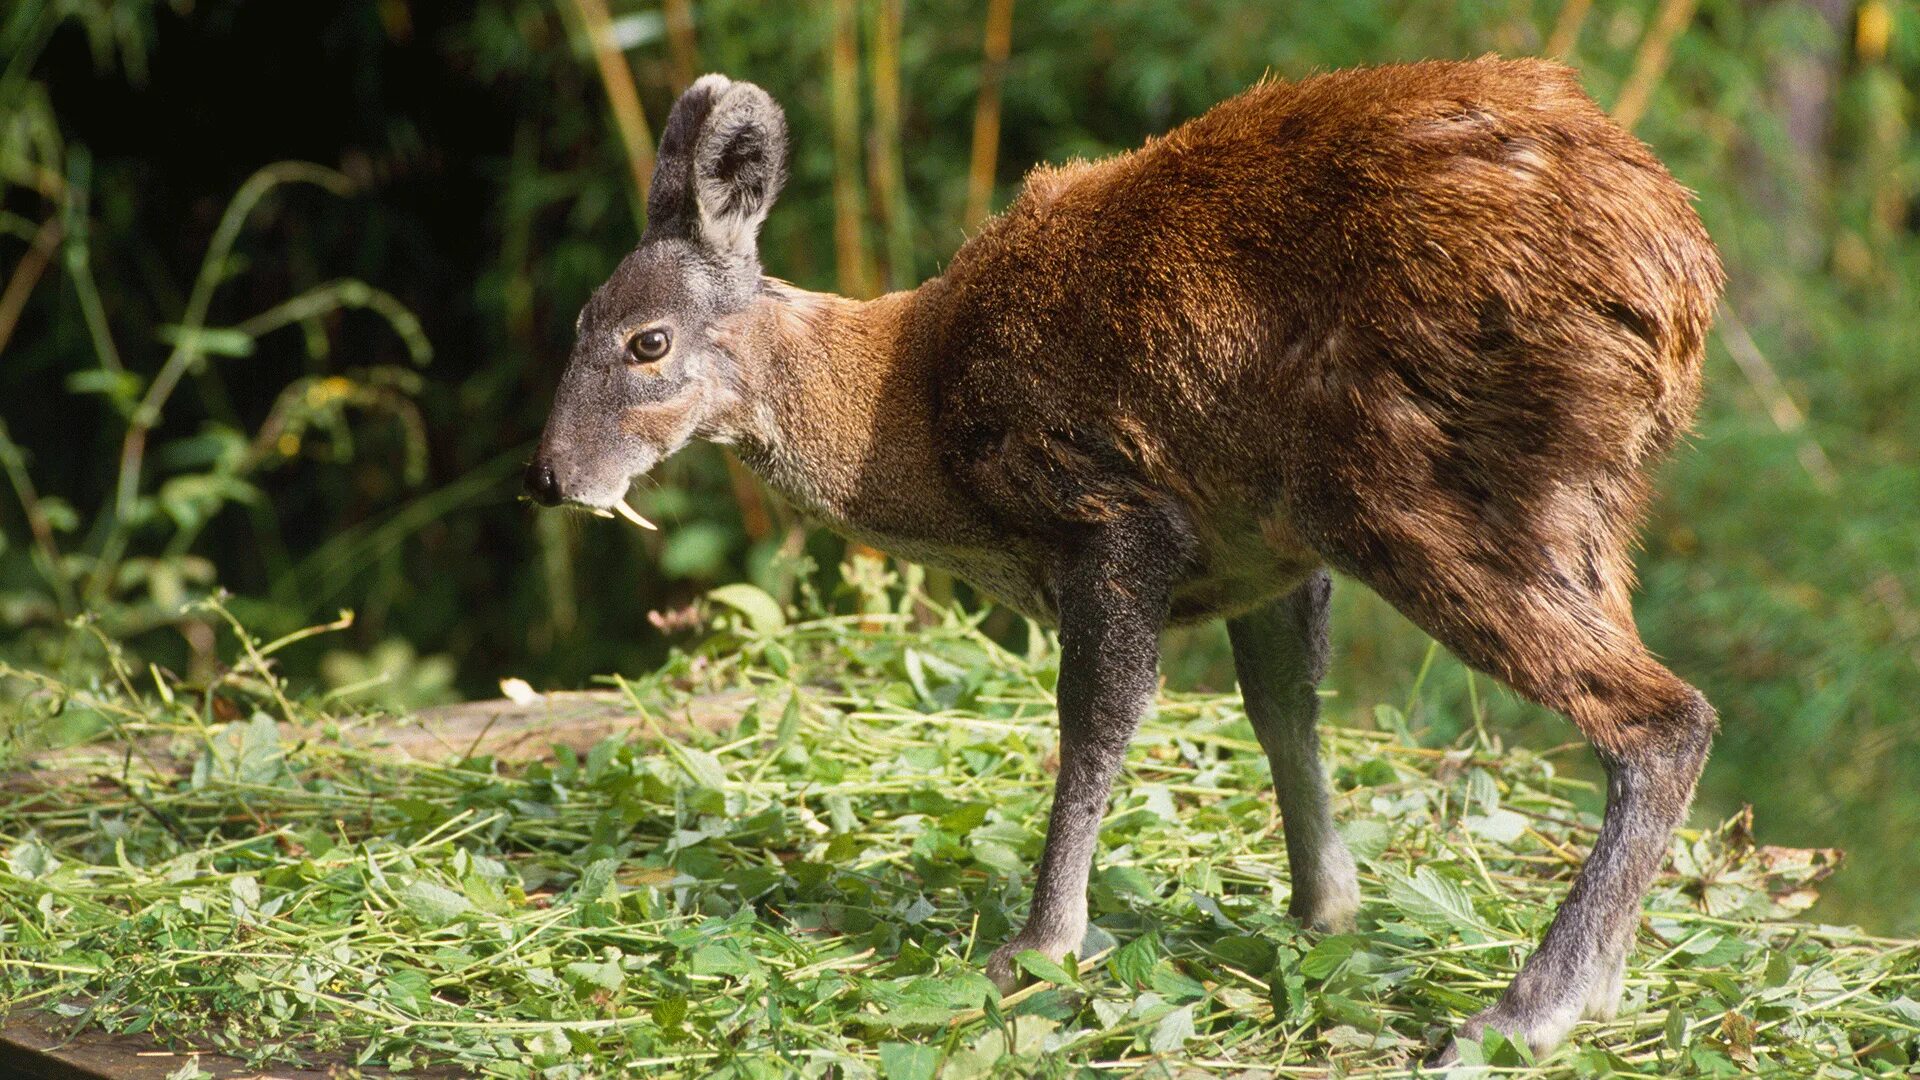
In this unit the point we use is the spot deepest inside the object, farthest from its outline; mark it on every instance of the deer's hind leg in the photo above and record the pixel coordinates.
(1280, 655)
(1544, 611)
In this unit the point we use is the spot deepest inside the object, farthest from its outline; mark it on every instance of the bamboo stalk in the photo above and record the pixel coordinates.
(628, 117)
(1650, 63)
(849, 232)
(685, 56)
(1566, 28)
(986, 112)
(888, 176)
(884, 149)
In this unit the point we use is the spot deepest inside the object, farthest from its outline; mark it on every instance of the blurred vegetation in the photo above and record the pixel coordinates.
(313, 384)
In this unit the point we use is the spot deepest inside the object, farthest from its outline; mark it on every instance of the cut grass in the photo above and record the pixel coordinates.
(815, 891)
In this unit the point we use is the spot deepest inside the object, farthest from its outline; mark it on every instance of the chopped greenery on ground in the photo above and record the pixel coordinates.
(815, 891)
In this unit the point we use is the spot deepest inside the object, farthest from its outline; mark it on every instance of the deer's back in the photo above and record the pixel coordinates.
(1465, 268)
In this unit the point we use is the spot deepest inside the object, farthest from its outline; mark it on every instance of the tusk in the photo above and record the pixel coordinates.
(633, 515)
(597, 512)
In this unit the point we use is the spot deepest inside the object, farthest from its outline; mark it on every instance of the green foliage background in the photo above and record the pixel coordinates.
(365, 353)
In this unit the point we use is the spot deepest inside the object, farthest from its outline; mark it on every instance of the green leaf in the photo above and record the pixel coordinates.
(1675, 1031)
(936, 682)
(1326, 957)
(121, 387)
(1708, 1061)
(998, 857)
(1433, 901)
(913, 960)
(1503, 827)
(704, 768)
(31, 859)
(762, 612)
(1133, 963)
(190, 1071)
(1376, 772)
(1780, 969)
(906, 1061)
(1345, 1010)
(1498, 1050)
(719, 959)
(1251, 954)
(211, 341)
(670, 1011)
(1286, 992)
(1173, 1031)
(1040, 966)
(1176, 985)
(1483, 791)
(594, 881)
(1127, 879)
(789, 721)
(193, 499)
(434, 905)
(260, 752)
(606, 974)
(964, 818)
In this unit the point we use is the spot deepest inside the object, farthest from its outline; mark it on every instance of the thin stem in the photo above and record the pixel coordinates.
(334, 296)
(26, 276)
(45, 547)
(1420, 679)
(189, 346)
(75, 213)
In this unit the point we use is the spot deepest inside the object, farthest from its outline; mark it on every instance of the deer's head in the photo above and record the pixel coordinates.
(646, 374)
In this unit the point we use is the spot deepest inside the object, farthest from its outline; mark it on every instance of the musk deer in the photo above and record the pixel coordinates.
(1428, 325)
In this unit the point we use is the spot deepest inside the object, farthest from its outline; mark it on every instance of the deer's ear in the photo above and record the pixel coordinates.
(739, 163)
(671, 210)
(723, 157)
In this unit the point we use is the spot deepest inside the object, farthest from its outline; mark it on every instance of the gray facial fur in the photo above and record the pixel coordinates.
(722, 162)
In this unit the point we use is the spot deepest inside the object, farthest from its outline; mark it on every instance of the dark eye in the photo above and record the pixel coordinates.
(649, 345)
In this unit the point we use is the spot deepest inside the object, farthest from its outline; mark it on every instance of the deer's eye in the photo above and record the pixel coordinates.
(649, 345)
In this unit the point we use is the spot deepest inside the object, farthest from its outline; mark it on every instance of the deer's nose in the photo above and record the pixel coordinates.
(540, 483)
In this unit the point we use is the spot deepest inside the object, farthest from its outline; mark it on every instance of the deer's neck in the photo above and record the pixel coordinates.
(838, 403)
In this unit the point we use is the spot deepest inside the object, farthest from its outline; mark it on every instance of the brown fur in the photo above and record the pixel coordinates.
(1429, 324)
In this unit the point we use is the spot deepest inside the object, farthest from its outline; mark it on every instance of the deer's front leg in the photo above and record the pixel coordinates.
(1113, 587)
